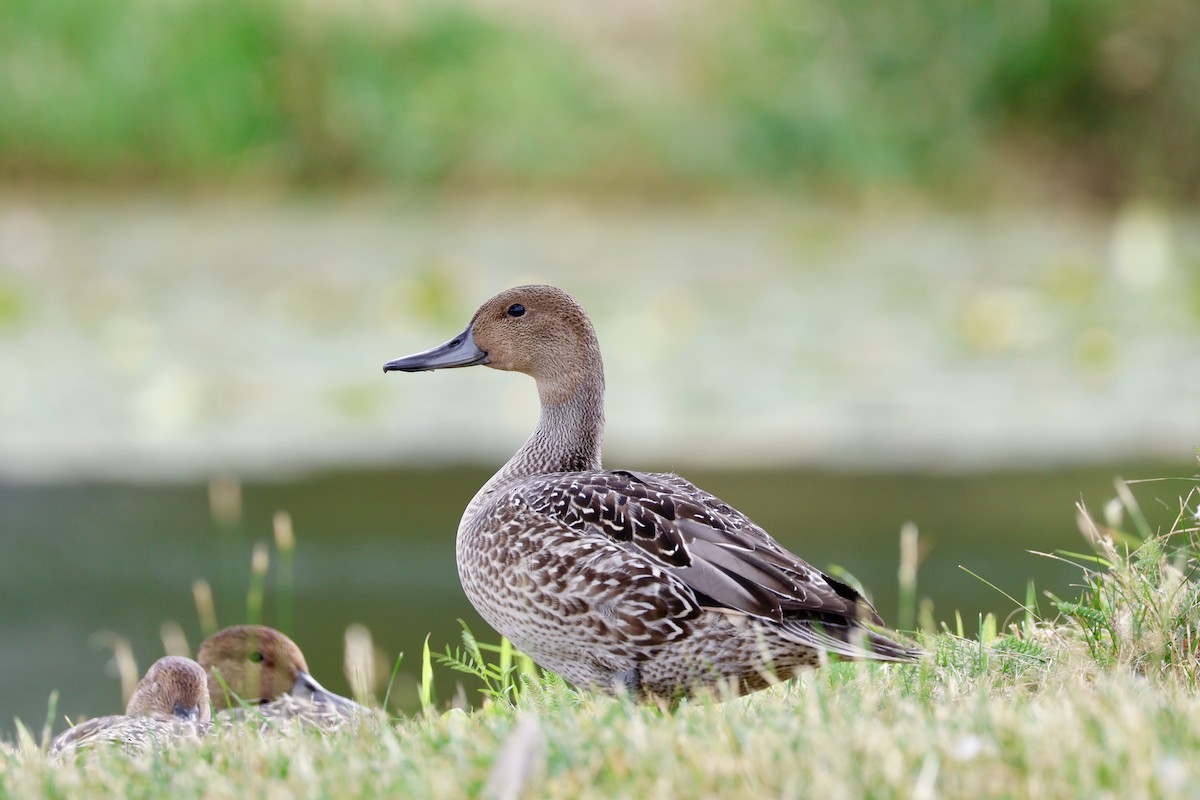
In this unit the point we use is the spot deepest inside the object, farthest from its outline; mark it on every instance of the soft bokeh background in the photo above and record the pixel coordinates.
(851, 267)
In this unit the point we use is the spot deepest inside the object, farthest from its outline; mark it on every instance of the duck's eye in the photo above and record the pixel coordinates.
(256, 656)
(516, 310)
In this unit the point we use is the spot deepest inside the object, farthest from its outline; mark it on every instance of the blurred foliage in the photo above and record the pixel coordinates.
(1103, 91)
(1098, 94)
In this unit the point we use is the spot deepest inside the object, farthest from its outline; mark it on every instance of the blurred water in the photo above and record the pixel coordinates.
(155, 335)
(376, 547)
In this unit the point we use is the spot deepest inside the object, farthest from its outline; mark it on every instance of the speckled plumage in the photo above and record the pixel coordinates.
(170, 704)
(289, 713)
(622, 580)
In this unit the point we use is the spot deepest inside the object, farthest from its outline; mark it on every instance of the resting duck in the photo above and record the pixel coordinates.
(169, 704)
(627, 581)
(257, 673)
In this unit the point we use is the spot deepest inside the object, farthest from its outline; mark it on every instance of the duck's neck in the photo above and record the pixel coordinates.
(567, 437)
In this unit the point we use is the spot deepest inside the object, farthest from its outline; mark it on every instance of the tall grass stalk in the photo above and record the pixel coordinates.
(387, 693)
(206, 610)
(359, 663)
(907, 577)
(285, 578)
(425, 689)
(174, 640)
(260, 564)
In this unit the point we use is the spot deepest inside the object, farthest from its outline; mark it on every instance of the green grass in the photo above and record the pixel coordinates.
(785, 93)
(1096, 698)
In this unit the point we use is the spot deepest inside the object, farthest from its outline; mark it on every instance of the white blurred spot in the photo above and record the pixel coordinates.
(1114, 512)
(1172, 773)
(967, 748)
(169, 402)
(1140, 248)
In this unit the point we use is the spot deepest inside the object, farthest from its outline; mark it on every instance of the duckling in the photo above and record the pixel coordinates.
(169, 704)
(623, 581)
(258, 673)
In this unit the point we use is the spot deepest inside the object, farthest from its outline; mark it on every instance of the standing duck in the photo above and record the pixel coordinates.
(169, 704)
(627, 581)
(258, 673)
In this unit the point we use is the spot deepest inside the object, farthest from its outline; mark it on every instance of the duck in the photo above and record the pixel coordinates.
(259, 674)
(621, 581)
(170, 704)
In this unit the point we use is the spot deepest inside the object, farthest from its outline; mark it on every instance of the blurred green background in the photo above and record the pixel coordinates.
(851, 266)
(1092, 98)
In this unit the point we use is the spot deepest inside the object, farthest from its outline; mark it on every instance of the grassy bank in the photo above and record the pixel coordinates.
(1096, 97)
(871, 733)
(1095, 697)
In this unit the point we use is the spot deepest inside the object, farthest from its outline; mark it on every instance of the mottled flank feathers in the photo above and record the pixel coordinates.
(628, 581)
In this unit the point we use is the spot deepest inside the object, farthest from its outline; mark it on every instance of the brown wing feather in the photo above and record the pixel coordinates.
(715, 550)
